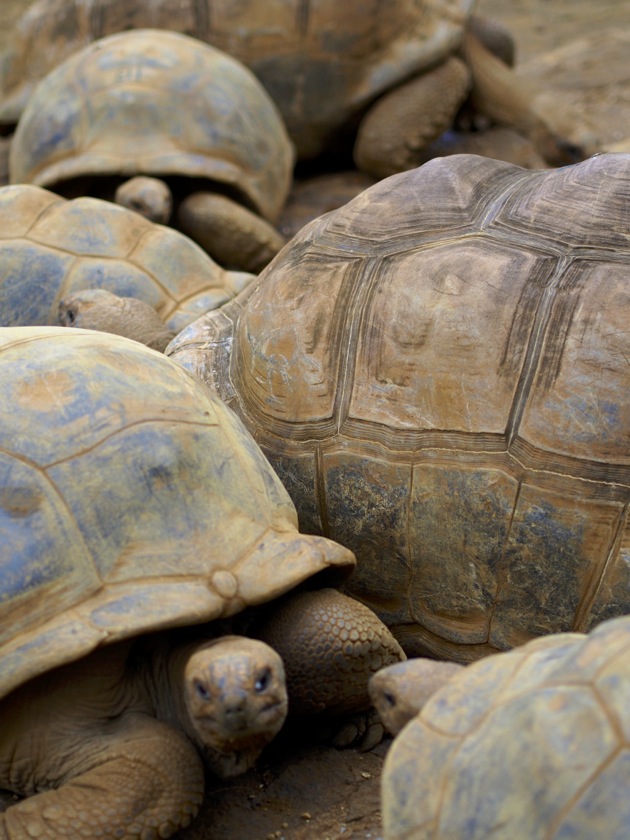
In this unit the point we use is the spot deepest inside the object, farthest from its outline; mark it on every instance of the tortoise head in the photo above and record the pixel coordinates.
(236, 699)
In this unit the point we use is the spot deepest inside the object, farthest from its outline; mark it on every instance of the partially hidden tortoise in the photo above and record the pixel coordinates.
(132, 501)
(437, 371)
(51, 247)
(98, 309)
(324, 63)
(168, 126)
(531, 744)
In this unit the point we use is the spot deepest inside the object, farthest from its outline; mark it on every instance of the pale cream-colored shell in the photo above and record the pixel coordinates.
(131, 500)
(154, 102)
(533, 743)
(50, 247)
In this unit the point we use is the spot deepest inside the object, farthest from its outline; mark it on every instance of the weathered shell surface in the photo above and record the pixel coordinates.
(533, 743)
(131, 500)
(322, 61)
(438, 371)
(50, 247)
(154, 102)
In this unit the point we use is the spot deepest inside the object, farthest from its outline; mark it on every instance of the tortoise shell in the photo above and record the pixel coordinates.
(438, 372)
(151, 102)
(50, 247)
(322, 62)
(534, 741)
(131, 499)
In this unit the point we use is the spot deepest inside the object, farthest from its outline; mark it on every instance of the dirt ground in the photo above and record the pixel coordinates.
(576, 51)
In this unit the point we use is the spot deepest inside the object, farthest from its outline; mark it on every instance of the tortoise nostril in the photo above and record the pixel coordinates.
(235, 705)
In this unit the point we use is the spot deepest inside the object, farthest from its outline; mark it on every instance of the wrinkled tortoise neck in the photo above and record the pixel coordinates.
(161, 669)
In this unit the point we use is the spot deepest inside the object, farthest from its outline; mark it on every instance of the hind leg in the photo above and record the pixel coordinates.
(401, 124)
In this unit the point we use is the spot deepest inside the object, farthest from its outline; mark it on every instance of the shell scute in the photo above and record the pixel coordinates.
(130, 498)
(114, 233)
(31, 278)
(482, 360)
(109, 111)
(50, 247)
(532, 742)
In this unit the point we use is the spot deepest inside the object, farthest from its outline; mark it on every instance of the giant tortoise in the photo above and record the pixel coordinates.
(438, 372)
(192, 122)
(133, 501)
(531, 744)
(324, 63)
(51, 247)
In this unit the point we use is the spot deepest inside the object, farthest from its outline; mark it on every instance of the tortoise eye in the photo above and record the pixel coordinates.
(70, 316)
(262, 682)
(389, 699)
(202, 690)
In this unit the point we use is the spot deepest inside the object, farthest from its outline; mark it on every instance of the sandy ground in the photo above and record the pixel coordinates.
(576, 52)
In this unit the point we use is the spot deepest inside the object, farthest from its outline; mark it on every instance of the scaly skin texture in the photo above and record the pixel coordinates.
(85, 736)
(237, 699)
(330, 645)
(396, 130)
(111, 743)
(98, 309)
(231, 233)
